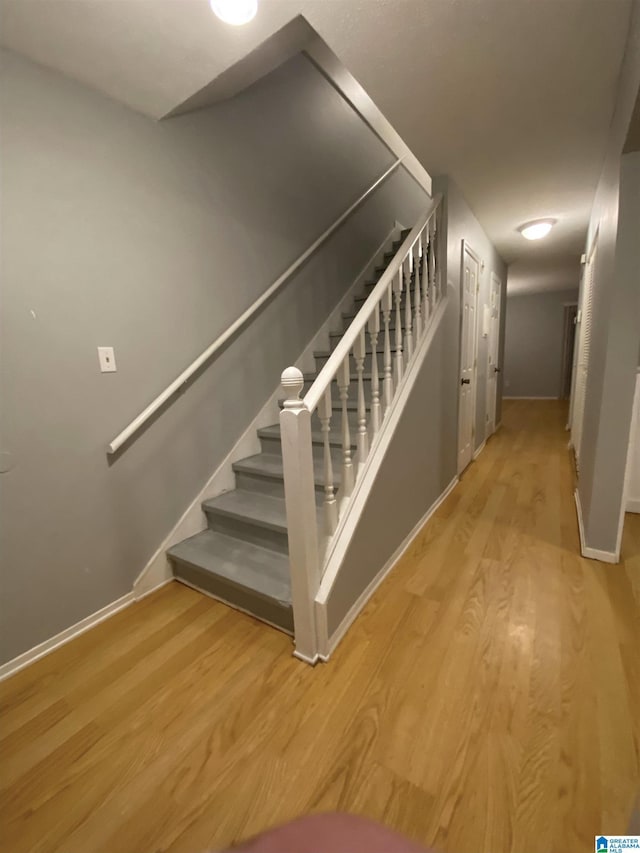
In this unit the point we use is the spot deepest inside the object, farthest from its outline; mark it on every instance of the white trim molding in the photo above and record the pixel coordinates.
(479, 450)
(333, 641)
(591, 553)
(42, 649)
(11, 667)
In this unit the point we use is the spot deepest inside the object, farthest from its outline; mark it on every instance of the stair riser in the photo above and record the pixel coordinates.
(334, 340)
(246, 600)
(322, 360)
(268, 485)
(347, 321)
(359, 302)
(274, 447)
(249, 531)
(353, 388)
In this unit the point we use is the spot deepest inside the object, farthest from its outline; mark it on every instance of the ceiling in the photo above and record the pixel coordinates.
(512, 98)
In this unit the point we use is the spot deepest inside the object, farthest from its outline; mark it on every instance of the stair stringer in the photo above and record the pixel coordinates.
(158, 570)
(337, 548)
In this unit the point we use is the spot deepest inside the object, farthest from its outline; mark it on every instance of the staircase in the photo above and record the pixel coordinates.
(242, 557)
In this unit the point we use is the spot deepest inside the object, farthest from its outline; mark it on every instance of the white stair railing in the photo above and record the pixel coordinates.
(407, 293)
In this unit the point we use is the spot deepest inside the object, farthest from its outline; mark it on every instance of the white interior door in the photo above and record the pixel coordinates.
(493, 368)
(470, 278)
(584, 349)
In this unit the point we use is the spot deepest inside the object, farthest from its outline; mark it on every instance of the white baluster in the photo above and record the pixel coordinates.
(426, 290)
(387, 306)
(432, 263)
(330, 504)
(359, 354)
(344, 379)
(374, 331)
(436, 264)
(397, 293)
(408, 318)
(417, 295)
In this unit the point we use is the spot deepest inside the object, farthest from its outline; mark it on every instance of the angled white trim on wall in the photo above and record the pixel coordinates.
(479, 450)
(32, 655)
(328, 63)
(591, 553)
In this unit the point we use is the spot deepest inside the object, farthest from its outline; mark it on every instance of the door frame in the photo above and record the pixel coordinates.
(566, 334)
(493, 278)
(465, 247)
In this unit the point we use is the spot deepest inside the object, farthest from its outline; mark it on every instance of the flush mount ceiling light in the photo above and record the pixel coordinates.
(235, 12)
(537, 229)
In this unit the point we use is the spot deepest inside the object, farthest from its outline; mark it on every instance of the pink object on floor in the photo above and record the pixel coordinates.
(330, 833)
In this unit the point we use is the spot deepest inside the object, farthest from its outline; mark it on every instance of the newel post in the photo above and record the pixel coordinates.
(300, 500)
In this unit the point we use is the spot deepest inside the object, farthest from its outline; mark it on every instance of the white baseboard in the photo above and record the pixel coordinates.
(158, 569)
(480, 449)
(633, 505)
(591, 553)
(333, 641)
(11, 667)
(311, 661)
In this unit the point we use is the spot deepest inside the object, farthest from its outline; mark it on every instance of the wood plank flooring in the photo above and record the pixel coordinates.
(487, 700)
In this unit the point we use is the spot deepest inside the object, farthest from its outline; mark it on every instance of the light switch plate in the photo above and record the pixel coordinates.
(107, 360)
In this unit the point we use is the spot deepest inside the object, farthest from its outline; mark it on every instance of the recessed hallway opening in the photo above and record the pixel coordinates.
(487, 699)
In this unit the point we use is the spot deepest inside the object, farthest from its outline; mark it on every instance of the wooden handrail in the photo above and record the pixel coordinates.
(138, 422)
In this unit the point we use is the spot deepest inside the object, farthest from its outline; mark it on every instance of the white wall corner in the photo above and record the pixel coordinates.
(158, 570)
(591, 553)
(479, 450)
(632, 471)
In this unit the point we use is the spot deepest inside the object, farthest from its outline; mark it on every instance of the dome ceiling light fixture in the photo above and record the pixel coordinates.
(537, 229)
(235, 12)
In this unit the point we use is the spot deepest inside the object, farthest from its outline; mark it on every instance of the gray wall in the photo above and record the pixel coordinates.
(153, 238)
(534, 341)
(419, 464)
(463, 225)
(616, 319)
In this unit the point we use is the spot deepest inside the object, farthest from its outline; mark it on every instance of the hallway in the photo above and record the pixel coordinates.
(486, 701)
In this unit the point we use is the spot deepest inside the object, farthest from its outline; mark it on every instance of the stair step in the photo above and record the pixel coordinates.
(272, 434)
(244, 575)
(352, 403)
(250, 516)
(263, 473)
(359, 301)
(322, 358)
(336, 337)
(349, 316)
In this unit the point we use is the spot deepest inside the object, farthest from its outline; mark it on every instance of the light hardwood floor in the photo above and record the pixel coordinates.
(488, 699)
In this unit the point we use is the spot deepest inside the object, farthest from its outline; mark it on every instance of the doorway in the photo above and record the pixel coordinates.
(467, 389)
(493, 367)
(568, 346)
